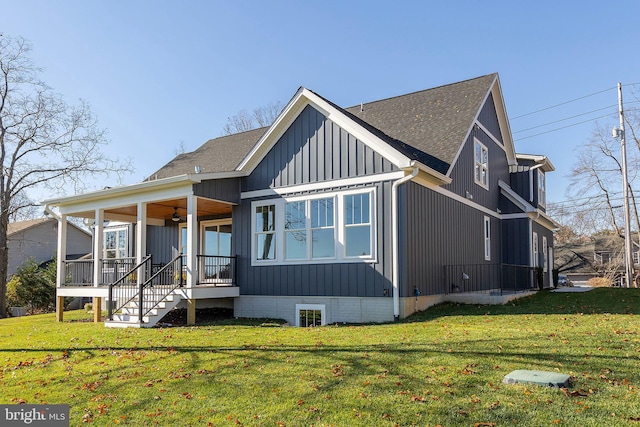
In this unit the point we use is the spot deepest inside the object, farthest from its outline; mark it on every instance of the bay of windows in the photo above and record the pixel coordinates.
(337, 228)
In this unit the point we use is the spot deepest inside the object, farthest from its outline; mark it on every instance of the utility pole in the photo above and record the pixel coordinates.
(628, 249)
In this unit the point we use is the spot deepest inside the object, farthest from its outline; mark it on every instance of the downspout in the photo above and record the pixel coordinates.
(394, 239)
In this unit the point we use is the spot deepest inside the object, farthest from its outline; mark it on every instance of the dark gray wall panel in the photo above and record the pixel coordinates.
(314, 149)
(227, 190)
(163, 242)
(515, 241)
(463, 171)
(489, 119)
(440, 231)
(344, 279)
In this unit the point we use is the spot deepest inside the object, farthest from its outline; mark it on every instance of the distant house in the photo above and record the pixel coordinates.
(37, 239)
(360, 214)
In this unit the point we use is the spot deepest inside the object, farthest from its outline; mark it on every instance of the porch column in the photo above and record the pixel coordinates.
(97, 247)
(192, 240)
(141, 238)
(61, 257)
(192, 251)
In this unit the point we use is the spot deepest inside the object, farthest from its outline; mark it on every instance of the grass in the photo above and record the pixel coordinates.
(441, 367)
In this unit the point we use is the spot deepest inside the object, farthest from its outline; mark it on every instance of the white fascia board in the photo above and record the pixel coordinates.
(503, 121)
(514, 197)
(323, 185)
(545, 220)
(306, 97)
(547, 166)
(111, 193)
(122, 199)
(130, 219)
(432, 174)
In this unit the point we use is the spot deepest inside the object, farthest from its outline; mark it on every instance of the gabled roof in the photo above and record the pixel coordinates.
(217, 155)
(17, 227)
(20, 226)
(428, 126)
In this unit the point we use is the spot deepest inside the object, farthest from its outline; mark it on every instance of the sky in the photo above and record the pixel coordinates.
(161, 75)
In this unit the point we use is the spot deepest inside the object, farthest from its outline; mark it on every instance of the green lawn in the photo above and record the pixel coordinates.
(443, 366)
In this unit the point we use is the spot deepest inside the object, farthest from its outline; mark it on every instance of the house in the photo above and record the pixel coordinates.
(601, 255)
(37, 239)
(361, 214)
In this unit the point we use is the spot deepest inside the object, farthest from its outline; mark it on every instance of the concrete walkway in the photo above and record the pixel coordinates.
(575, 288)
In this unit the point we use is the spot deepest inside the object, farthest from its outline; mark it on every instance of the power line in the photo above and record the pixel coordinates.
(562, 103)
(565, 119)
(564, 127)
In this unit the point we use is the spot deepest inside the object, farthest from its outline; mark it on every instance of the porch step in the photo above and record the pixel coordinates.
(129, 316)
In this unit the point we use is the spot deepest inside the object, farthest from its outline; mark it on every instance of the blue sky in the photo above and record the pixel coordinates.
(159, 74)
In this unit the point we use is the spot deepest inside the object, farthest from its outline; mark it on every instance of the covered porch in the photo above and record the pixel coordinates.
(173, 245)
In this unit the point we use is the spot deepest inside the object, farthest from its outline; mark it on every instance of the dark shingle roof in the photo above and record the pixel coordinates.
(221, 154)
(432, 122)
(428, 126)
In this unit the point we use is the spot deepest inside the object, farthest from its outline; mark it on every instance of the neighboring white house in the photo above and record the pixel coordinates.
(38, 239)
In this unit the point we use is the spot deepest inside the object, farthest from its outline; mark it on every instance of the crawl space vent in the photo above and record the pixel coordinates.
(548, 379)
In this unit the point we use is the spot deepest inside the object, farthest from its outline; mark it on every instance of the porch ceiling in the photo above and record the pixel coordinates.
(164, 210)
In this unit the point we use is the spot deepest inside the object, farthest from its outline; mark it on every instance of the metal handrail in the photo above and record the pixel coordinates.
(127, 293)
(166, 289)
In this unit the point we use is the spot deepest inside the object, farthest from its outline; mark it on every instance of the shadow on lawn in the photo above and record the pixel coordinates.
(597, 301)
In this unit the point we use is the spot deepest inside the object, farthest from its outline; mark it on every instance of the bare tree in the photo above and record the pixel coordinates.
(44, 142)
(260, 117)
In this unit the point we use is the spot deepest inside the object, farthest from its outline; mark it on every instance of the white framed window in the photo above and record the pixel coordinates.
(336, 226)
(116, 243)
(265, 229)
(310, 315)
(487, 238)
(542, 189)
(481, 164)
(535, 249)
(545, 254)
(357, 225)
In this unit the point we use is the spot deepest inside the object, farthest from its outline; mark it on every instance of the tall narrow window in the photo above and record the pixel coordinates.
(481, 172)
(322, 229)
(536, 261)
(357, 225)
(487, 238)
(545, 254)
(265, 232)
(542, 189)
(295, 230)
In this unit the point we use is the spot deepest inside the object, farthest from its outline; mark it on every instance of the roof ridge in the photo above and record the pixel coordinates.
(421, 91)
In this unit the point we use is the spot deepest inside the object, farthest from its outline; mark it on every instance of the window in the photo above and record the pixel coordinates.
(265, 232)
(310, 315)
(487, 238)
(545, 254)
(542, 190)
(295, 226)
(315, 229)
(357, 231)
(323, 233)
(481, 156)
(116, 243)
(535, 250)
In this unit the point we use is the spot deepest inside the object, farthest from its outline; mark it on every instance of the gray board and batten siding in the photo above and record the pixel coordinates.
(433, 227)
(315, 149)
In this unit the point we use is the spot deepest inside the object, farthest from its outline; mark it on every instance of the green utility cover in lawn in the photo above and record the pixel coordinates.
(550, 379)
